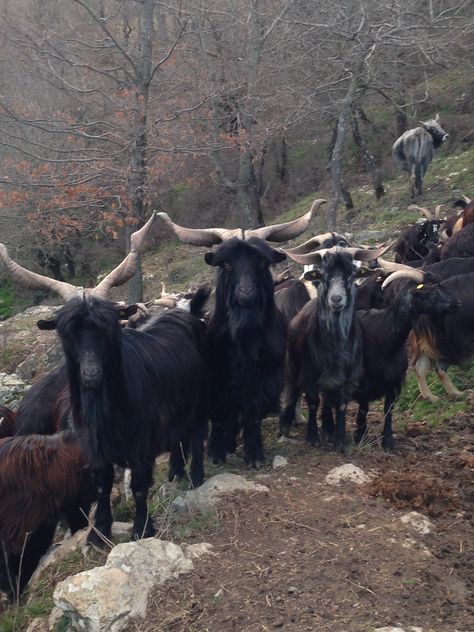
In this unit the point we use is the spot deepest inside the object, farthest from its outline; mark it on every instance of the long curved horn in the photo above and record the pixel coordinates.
(437, 210)
(313, 243)
(414, 274)
(125, 270)
(421, 209)
(466, 199)
(288, 230)
(391, 266)
(34, 281)
(166, 302)
(200, 236)
(359, 254)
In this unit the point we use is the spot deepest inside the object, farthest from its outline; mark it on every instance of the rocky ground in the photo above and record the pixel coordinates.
(313, 555)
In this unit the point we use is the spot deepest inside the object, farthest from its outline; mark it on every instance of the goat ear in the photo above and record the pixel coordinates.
(126, 312)
(313, 275)
(209, 258)
(46, 325)
(362, 271)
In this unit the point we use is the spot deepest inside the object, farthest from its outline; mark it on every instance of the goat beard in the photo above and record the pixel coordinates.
(246, 319)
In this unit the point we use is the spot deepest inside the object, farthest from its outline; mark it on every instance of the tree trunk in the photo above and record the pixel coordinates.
(138, 153)
(247, 193)
(376, 174)
(338, 153)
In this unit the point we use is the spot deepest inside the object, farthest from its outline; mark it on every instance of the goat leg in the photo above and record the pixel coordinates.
(287, 415)
(312, 435)
(387, 435)
(253, 445)
(422, 366)
(327, 421)
(340, 434)
(104, 478)
(361, 432)
(449, 387)
(142, 479)
(216, 448)
(198, 437)
(178, 458)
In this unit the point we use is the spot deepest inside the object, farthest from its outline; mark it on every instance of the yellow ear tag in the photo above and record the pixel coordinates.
(418, 287)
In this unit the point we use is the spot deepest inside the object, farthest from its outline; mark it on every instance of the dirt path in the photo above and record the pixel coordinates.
(308, 556)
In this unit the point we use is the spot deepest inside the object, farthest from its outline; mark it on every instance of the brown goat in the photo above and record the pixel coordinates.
(41, 479)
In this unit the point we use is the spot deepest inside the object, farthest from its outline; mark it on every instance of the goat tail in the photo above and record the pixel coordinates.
(199, 300)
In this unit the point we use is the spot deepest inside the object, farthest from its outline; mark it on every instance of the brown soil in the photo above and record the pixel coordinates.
(308, 556)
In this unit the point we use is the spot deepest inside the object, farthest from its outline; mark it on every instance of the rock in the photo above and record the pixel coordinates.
(193, 551)
(12, 388)
(40, 624)
(104, 599)
(205, 497)
(279, 461)
(418, 522)
(347, 473)
(389, 629)
(44, 363)
(61, 551)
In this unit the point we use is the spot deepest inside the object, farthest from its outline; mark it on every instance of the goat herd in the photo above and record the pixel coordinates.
(125, 395)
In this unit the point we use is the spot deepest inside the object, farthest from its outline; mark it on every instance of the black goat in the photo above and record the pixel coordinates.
(247, 334)
(134, 394)
(384, 334)
(420, 240)
(42, 479)
(247, 344)
(324, 345)
(37, 410)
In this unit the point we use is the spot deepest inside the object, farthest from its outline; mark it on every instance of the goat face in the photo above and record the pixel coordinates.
(428, 232)
(244, 279)
(336, 281)
(89, 329)
(433, 298)
(435, 130)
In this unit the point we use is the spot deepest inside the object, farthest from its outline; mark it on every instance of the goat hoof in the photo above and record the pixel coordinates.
(284, 431)
(432, 399)
(148, 532)
(97, 539)
(388, 444)
(361, 437)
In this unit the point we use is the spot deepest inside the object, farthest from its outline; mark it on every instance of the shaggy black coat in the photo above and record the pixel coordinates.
(385, 359)
(36, 412)
(324, 352)
(417, 241)
(247, 347)
(135, 394)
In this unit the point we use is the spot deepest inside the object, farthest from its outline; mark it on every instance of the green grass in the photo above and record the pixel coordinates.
(412, 408)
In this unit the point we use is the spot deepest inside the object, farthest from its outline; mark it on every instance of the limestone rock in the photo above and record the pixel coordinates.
(279, 461)
(39, 625)
(205, 497)
(347, 473)
(104, 599)
(418, 522)
(12, 388)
